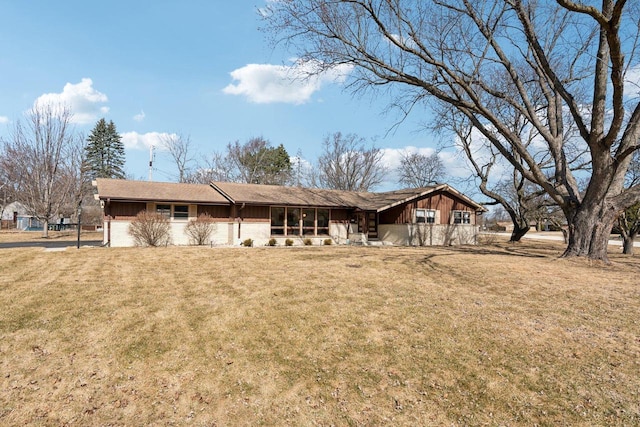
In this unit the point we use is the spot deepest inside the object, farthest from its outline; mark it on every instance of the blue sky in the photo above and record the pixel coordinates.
(198, 68)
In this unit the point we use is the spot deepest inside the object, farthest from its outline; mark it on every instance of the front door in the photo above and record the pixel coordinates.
(372, 225)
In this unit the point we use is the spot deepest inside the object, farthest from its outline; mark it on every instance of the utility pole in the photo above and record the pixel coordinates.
(79, 222)
(151, 163)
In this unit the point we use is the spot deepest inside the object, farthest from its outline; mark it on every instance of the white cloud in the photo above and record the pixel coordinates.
(138, 141)
(406, 41)
(291, 84)
(632, 83)
(139, 117)
(391, 157)
(83, 100)
(4, 119)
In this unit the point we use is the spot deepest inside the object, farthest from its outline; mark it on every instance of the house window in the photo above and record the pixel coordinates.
(293, 221)
(425, 216)
(323, 221)
(461, 217)
(277, 221)
(181, 212)
(309, 222)
(164, 210)
(175, 211)
(299, 221)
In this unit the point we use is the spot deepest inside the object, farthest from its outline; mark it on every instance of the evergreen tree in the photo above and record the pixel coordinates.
(105, 151)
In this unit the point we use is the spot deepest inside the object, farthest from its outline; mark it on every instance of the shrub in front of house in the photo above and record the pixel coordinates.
(150, 229)
(272, 242)
(327, 242)
(308, 242)
(200, 229)
(288, 242)
(248, 243)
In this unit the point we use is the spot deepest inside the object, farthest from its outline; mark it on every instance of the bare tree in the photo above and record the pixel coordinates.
(215, 167)
(6, 187)
(347, 164)
(420, 170)
(513, 194)
(40, 157)
(179, 148)
(629, 225)
(489, 59)
(629, 220)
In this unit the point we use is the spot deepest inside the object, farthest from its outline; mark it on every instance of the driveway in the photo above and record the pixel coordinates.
(50, 244)
(558, 236)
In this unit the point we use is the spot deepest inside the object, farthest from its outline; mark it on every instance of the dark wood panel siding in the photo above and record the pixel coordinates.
(217, 212)
(255, 212)
(339, 215)
(443, 202)
(124, 209)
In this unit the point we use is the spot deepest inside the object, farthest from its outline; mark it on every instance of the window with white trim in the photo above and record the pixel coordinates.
(425, 216)
(461, 217)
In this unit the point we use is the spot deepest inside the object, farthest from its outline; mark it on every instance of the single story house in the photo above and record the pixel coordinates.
(16, 215)
(436, 215)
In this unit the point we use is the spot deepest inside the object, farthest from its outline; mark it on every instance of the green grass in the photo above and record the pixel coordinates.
(491, 335)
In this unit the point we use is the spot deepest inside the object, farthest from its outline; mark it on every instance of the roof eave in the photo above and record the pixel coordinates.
(222, 193)
(408, 199)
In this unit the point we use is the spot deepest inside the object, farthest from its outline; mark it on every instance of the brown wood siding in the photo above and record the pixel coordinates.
(339, 215)
(216, 212)
(443, 202)
(255, 212)
(124, 209)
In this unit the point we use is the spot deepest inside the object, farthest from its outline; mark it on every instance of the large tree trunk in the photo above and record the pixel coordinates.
(518, 232)
(627, 244)
(45, 229)
(589, 231)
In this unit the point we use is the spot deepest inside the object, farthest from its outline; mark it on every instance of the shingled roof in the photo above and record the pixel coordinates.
(289, 196)
(296, 196)
(120, 189)
(259, 194)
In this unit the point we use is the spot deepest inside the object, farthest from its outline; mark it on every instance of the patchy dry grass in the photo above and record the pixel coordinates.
(493, 335)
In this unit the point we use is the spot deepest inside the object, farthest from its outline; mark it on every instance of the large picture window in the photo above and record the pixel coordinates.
(293, 222)
(323, 221)
(277, 221)
(299, 221)
(309, 222)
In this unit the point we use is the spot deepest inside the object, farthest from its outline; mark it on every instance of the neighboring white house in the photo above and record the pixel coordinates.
(15, 215)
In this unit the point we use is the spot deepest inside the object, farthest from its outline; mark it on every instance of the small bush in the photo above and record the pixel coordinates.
(272, 242)
(200, 229)
(327, 242)
(150, 229)
(288, 242)
(308, 242)
(248, 243)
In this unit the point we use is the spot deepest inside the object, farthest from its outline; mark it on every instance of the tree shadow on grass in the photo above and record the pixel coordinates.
(511, 249)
